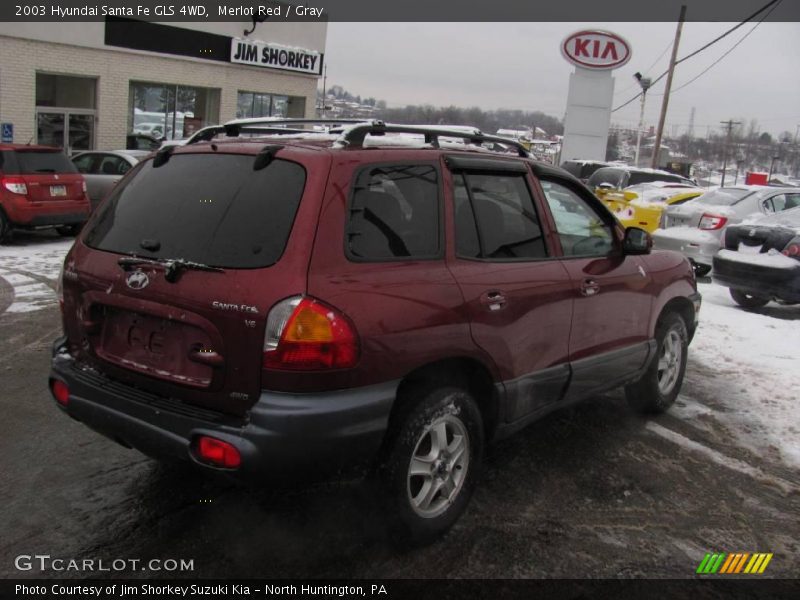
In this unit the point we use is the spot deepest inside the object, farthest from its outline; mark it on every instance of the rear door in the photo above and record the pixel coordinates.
(611, 292)
(193, 334)
(49, 175)
(102, 171)
(517, 295)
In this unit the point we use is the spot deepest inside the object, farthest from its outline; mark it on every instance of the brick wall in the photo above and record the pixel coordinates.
(21, 59)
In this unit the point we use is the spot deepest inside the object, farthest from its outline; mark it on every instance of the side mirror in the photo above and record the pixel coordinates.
(637, 241)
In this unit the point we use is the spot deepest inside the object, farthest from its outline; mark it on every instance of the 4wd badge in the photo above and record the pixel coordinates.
(137, 280)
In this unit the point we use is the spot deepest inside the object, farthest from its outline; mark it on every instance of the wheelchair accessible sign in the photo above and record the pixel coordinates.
(7, 133)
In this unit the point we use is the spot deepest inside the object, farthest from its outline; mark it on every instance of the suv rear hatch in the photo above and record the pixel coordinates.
(180, 267)
(47, 173)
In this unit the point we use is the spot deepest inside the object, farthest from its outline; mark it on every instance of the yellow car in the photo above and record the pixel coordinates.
(641, 205)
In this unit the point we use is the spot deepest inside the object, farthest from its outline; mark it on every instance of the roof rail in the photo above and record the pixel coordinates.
(265, 125)
(354, 136)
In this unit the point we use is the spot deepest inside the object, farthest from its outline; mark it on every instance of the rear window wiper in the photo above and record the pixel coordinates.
(172, 266)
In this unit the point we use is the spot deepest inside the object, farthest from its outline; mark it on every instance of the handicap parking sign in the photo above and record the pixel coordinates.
(7, 134)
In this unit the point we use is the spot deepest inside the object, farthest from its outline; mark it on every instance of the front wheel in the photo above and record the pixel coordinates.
(69, 230)
(5, 229)
(657, 389)
(432, 462)
(747, 300)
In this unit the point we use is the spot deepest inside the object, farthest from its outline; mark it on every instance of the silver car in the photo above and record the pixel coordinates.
(695, 228)
(102, 170)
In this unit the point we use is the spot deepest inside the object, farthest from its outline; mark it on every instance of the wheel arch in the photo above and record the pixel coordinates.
(683, 307)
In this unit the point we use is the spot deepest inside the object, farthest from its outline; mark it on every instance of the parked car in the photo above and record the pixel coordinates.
(761, 260)
(139, 141)
(103, 169)
(40, 187)
(641, 205)
(285, 305)
(696, 227)
(608, 179)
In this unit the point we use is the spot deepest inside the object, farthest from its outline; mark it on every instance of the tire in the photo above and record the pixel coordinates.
(657, 389)
(5, 229)
(416, 515)
(747, 300)
(701, 270)
(69, 230)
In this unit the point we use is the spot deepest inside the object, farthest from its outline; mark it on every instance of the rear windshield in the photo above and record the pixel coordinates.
(723, 196)
(26, 162)
(209, 208)
(637, 178)
(606, 175)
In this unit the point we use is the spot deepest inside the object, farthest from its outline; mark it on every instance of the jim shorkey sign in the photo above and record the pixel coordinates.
(591, 89)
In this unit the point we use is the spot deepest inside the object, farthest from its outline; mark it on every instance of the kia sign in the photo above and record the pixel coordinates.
(596, 50)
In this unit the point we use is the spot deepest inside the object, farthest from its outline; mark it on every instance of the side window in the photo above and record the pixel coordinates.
(792, 201)
(113, 165)
(394, 213)
(84, 163)
(502, 207)
(580, 228)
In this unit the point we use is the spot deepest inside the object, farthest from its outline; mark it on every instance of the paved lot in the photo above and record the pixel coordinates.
(594, 491)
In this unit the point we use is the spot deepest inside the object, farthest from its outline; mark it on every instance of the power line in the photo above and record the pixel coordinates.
(655, 62)
(714, 41)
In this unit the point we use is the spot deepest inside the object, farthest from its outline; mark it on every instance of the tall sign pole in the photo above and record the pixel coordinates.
(668, 87)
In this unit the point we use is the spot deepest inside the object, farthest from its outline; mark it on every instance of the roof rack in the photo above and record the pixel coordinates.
(354, 136)
(266, 125)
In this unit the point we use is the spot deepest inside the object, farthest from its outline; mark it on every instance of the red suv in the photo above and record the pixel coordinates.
(297, 304)
(40, 187)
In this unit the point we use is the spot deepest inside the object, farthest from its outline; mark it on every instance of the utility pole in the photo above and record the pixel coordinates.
(644, 82)
(667, 88)
(729, 125)
(324, 90)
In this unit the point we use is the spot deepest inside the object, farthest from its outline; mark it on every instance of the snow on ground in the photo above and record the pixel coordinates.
(31, 267)
(752, 365)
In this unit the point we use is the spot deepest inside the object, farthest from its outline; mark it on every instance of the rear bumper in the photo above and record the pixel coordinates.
(288, 436)
(758, 280)
(696, 249)
(44, 214)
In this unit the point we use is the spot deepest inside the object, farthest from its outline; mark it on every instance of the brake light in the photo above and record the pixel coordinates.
(15, 185)
(304, 334)
(60, 391)
(709, 221)
(792, 248)
(217, 453)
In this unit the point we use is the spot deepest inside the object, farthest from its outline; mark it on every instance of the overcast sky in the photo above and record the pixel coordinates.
(519, 65)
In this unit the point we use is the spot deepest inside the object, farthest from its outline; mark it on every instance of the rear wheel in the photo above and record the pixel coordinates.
(431, 462)
(69, 230)
(747, 300)
(657, 389)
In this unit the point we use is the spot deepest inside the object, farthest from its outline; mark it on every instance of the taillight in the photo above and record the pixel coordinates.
(304, 334)
(792, 249)
(709, 221)
(15, 185)
(60, 288)
(60, 391)
(217, 453)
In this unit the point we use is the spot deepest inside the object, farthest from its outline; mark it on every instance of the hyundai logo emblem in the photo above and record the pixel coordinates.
(137, 280)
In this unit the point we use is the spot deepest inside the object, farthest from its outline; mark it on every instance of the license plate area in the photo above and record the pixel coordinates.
(154, 346)
(58, 190)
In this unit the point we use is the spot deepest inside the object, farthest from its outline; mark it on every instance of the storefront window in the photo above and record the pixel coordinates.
(256, 104)
(171, 111)
(65, 111)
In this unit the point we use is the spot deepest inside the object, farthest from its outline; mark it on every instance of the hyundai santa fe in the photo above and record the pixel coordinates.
(273, 302)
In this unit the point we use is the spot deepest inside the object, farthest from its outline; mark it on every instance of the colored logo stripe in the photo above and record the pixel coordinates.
(734, 563)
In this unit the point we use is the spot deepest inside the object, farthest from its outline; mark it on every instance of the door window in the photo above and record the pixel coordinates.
(394, 213)
(580, 228)
(113, 165)
(496, 218)
(85, 163)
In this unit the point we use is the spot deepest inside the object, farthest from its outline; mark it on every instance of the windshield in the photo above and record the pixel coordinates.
(30, 162)
(723, 196)
(208, 208)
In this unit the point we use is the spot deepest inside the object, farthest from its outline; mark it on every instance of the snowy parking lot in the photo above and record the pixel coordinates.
(590, 491)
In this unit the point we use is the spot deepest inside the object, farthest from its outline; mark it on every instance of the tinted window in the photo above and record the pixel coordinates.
(502, 207)
(723, 196)
(32, 162)
(209, 208)
(637, 178)
(394, 213)
(606, 175)
(580, 228)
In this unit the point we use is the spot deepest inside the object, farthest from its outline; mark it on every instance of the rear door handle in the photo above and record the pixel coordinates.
(493, 300)
(589, 287)
(206, 357)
